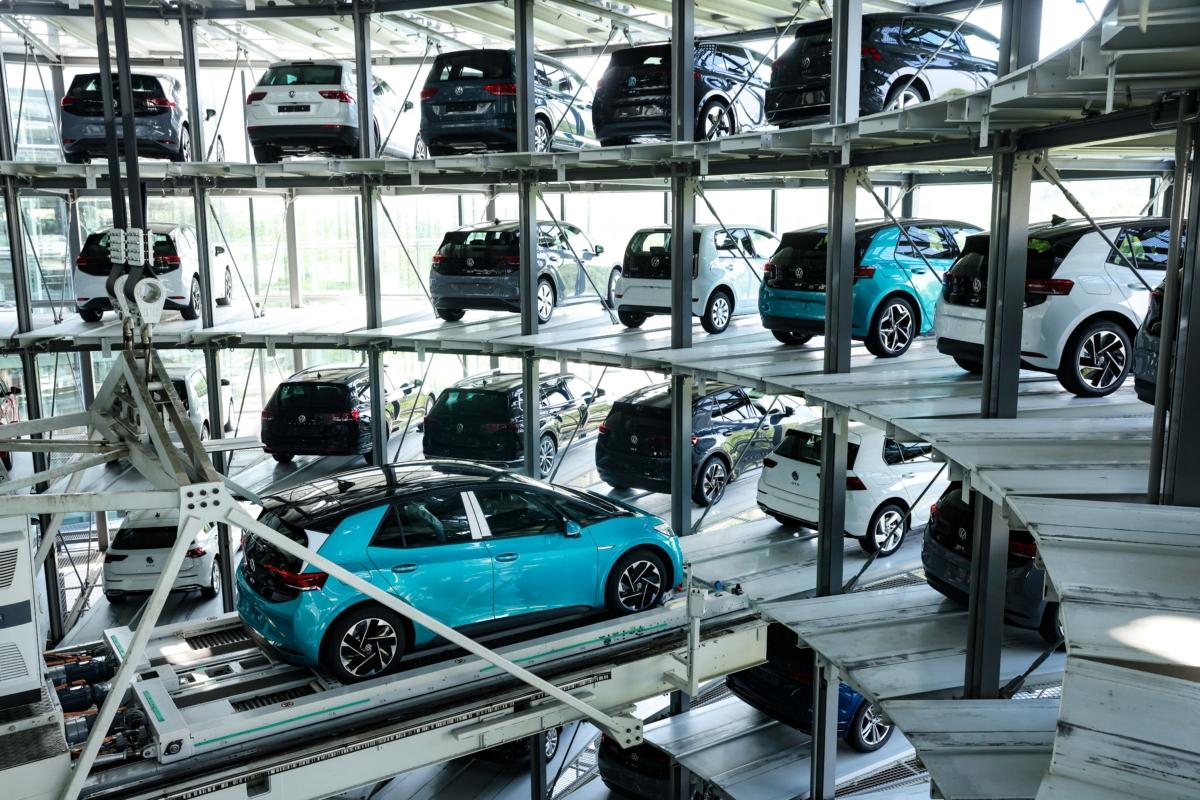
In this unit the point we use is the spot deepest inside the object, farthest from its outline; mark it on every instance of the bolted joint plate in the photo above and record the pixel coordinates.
(628, 731)
(204, 503)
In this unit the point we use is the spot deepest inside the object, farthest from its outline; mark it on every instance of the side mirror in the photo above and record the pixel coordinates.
(565, 85)
(599, 250)
(573, 531)
(218, 250)
(418, 382)
(14, 390)
(788, 411)
(408, 105)
(599, 393)
(225, 382)
(209, 113)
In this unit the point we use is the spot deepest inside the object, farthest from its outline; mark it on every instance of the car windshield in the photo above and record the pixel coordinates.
(156, 538)
(805, 446)
(303, 75)
(471, 65)
(473, 403)
(315, 398)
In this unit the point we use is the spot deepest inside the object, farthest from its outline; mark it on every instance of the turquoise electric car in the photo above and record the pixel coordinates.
(476, 548)
(897, 280)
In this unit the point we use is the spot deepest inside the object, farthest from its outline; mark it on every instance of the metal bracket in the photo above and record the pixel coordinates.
(689, 681)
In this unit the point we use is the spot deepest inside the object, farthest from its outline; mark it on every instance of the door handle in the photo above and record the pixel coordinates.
(507, 557)
(909, 475)
(918, 270)
(404, 568)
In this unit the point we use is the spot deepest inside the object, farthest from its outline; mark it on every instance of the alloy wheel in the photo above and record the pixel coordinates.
(214, 578)
(613, 277)
(1102, 359)
(717, 122)
(551, 743)
(712, 482)
(872, 729)
(639, 586)
(197, 301)
(888, 530)
(541, 137)
(547, 451)
(896, 327)
(228, 286)
(368, 647)
(909, 97)
(419, 148)
(720, 311)
(545, 301)
(185, 145)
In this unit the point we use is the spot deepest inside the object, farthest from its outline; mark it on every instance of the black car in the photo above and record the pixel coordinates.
(480, 419)
(946, 554)
(326, 410)
(1146, 348)
(633, 98)
(731, 433)
(894, 47)
(642, 771)
(469, 105)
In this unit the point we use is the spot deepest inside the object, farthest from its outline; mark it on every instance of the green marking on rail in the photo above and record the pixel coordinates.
(287, 721)
(637, 629)
(158, 715)
(117, 644)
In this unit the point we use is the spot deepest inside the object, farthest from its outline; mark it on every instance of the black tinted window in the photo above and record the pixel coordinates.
(657, 56)
(805, 446)
(491, 242)
(930, 241)
(471, 65)
(903, 452)
(317, 398)
(512, 512)
(1145, 245)
(473, 402)
(433, 519)
(88, 86)
(583, 513)
(302, 75)
(155, 538)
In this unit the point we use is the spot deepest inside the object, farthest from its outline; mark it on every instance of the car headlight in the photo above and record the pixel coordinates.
(664, 528)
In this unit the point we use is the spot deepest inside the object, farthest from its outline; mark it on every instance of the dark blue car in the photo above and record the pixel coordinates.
(783, 689)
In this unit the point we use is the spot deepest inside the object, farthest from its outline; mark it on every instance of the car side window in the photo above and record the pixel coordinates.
(732, 407)
(511, 512)
(432, 519)
(579, 388)
(200, 386)
(554, 396)
(981, 45)
(930, 35)
(581, 512)
(540, 75)
(959, 235)
(763, 243)
(906, 452)
(578, 241)
(1145, 245)
(930, 241)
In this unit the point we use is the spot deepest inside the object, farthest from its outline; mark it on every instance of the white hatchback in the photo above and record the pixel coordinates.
(302, 107)
(889, 485)
(1083, 304)
(139, 550)
(726, 274)
(174, 260)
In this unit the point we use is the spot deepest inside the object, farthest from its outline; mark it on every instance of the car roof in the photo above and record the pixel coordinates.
(291, 61)
(161, 518)
(702, 227)
(658, 395)
(329, 373)
(1057, 228)
(504, 381)
(492, 225)
(155, 227)
(869, 225)
(362, 488)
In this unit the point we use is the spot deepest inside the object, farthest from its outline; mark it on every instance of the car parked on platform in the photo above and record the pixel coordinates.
(1146, 347)
(782, 688)
(478, 267)
(946, 555)
(469, 105)
(10, 411)
(897, 279)
(191, 386)
(304, 107)
(326, 410)
(139, 550)
(481, 419)
(1083, 303)
(887, 483)
(174, 260)
(907, 58)
(731, 433)
(633, 97)
(160, 119)
(726, 272)
(475, 547)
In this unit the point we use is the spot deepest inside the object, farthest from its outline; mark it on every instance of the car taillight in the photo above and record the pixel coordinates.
(428, 92)
(111, 557)
(872, 52)
(603, 428)
(167, 263)
(768, 267)
(160, 102)
(864, 272)
(695, 74)
(1021, 544)
(196, 552)
(933, 510)
(438, 258)
(340, 95)
(1157, 293)
(501, 89)
(512, 261)
(254, 97)
(695, 440)
(67, 100)
(1050, 286)
(770, 463)
(300, 581)
(82, 261)
(855, 484)
(347, 416)
(498, 427)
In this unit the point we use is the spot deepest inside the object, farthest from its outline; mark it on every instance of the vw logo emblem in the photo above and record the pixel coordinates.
(632, 82)
(291, 93)
(977, 285)
(458, 428)
(633, 439)
(149, 560)
(470, 262)
(654, 262)
(962, 534)
(799, 273)
(806, 62)
(795, 476)
(458, 90)
(301, 418)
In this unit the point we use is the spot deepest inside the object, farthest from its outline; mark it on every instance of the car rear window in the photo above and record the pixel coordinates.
(657, 56)
(806, 446)
(316, 398)
(473, 403)
(471, 65)
(798, 243)
(632, 418)
(155, 538)
(302, 75)
(87, 86)
(496, 242)
(656, 242)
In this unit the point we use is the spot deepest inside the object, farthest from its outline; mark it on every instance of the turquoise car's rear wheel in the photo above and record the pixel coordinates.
(637, 582)
(366, 642)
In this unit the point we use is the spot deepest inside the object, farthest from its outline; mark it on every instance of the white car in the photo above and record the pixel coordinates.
(885, 481)
(302, 107)
(138, 552)
(191, 384)
(174, 261)
(1083, 304)
(725, 276)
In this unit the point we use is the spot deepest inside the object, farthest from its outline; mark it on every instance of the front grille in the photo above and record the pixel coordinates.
(272, 698)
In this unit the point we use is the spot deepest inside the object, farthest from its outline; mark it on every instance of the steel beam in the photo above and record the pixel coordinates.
(1020, 34)
(537, 767)
(847, 61)
(985, 610)
(527, 217)
(110, 126)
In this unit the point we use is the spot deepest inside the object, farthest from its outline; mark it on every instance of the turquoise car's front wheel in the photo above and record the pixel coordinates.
(637, 582)
(366, 642)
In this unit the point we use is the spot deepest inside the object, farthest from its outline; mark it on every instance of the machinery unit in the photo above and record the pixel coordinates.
(20, 653)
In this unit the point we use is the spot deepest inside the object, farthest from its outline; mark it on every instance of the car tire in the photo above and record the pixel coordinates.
(265, 154)
(185, 146)
(791, 337)
(970, 365)
(1095, 346)
(114, 598)
(911, 96)
(886, 516)
(214, 580)
(547, 455)
(419, 151)
(374, 640)
(711, 481)
(205, 433)
(893, 328)
(451, 314)
(218, 151)
(612, 286)
(192, 309)
(1050, 628)
(868, 732)
(76, 158)
(552, 740)
(637, 581)
(91, 314)
(542, 140)
(283, 458)
(631, 319)
(369, 458)
(718, 312)
(710, 126)
(227, 298)
(546, 299)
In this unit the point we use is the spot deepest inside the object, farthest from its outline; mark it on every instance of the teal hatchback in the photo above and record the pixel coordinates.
(897, 280)
(475, 547)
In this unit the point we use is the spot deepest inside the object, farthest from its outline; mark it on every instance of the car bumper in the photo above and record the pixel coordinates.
(635, 130)
(472, 135)
(189, 578)
(960, 332)
(275, 625)
(647, 296)
(1145, 366)
(468, 291)
(473, 456)
(157, 139)
(949, 573)
(306, 137)
(651, 473)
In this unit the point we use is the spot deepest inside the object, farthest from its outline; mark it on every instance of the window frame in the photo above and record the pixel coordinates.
(538, 497)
